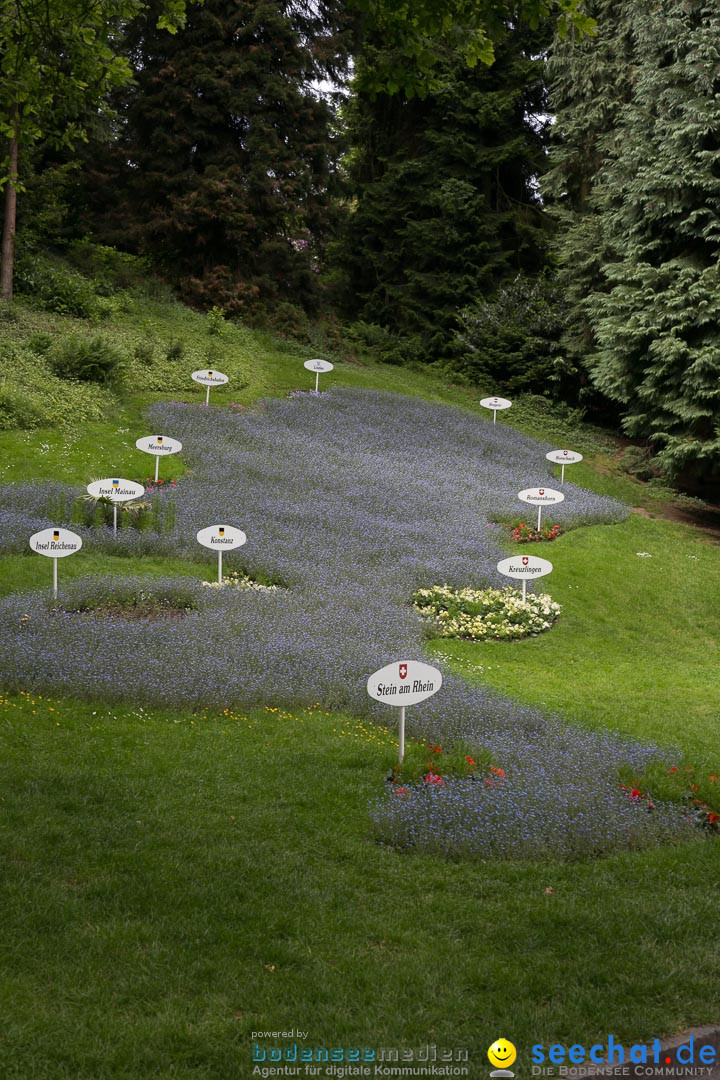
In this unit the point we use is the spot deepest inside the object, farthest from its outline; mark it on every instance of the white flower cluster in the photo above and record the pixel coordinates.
(236, 580)
(481, 614)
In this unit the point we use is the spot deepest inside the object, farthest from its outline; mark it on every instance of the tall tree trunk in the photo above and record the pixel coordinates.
(8, 237)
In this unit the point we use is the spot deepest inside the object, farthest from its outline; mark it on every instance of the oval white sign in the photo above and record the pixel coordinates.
(564, 457)
(209, 377)
(541, 496)
(116, 490)
(318, 365)
(221, 537)
(524, 566)
(56, 543)
(159, 445)
(404, 683)
(495, 403)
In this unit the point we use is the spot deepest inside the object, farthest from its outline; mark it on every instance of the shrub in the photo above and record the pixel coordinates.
(86, 360)
(56, 286)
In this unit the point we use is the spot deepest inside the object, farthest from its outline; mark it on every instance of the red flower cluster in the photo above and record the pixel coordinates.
(526, 534)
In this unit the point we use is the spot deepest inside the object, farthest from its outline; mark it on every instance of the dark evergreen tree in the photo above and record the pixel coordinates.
(223, 164)
(654, 311)
(443, 202)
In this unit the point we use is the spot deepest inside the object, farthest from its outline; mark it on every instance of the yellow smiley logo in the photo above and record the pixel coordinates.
(502, 1053)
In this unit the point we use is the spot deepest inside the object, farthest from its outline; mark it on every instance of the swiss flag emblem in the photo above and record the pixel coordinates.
(541, 491)
(526, 560)
(403, 671)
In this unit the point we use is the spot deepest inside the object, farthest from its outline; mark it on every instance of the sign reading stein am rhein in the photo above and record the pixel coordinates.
(221, 538)
(403, 683)
(55, 544)
(541, 497)
(524, 567)
(159, 446)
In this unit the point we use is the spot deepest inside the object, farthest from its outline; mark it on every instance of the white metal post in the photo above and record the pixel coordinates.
(115, 519)
(524, 591)
(317, 381)
(562, 473)
(157, 468)
(402, 734)
(219, 567)
(539, 517)
(54, 562)
(207, 396)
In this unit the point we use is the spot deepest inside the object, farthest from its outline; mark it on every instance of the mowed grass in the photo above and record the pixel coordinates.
(637, 646)
(175, 882)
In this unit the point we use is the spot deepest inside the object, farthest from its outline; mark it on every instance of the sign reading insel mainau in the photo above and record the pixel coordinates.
(563, 458)
(406, 682)
(55, 544)
(115, 489)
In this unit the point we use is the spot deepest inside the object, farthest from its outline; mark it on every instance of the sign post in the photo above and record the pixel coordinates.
(524, 567)
(117, 491)
(496, 404)
(563, 458)
(404, 683)
(221, 538)
(159, 446)
(317, 366)
(55, 544)
(209, 378)
(541, 497)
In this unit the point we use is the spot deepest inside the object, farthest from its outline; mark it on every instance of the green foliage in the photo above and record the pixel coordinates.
(443, 206)
(53, 285)
(31, 395)
(512, 340)
(87, 359)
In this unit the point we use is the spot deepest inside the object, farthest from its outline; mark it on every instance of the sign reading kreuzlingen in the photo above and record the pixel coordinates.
(524, 568)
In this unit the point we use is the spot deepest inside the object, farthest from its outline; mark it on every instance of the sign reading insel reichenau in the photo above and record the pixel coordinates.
(55, 544)
(403, 683)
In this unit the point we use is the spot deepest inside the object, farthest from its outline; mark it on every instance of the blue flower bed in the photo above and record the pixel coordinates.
(354, 500)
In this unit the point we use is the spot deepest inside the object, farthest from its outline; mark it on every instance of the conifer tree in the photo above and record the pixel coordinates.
(224, 162)
(442, 185)
(656, 315)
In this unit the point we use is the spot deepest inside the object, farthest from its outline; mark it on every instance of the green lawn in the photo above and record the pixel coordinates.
(637, 646)
(174, 882)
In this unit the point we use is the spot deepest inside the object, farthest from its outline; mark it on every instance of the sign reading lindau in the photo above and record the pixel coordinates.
(525, 567)
(159, 446)
(405, 682)
(317, 366)
(209, 377)
(563, 458)
(496, 404)
(541, 497)
(221, 538)
(55, 544)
